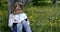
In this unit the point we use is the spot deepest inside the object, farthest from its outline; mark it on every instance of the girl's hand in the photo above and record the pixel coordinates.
(15, 21)
(11, 26)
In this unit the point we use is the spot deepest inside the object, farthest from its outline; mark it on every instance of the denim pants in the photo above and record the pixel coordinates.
(25, 25)
(14, 27)
(18, 27)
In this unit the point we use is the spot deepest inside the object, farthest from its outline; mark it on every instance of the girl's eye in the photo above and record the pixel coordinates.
(17, 9)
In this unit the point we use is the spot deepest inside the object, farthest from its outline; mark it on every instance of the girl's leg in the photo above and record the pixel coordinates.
(14, 27)
(19, 27)
(23, 29)
(26, 26)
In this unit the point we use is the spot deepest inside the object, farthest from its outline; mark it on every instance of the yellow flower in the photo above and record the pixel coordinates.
(30, 17)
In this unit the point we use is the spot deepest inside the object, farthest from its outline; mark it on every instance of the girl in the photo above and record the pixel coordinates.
(18, 19)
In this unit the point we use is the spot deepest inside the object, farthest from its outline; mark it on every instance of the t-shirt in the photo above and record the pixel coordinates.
(18, 17)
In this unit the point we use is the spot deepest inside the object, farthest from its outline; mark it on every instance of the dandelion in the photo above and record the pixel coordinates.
(30, 17)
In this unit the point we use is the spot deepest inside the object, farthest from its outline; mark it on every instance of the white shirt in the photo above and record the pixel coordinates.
(18, 17)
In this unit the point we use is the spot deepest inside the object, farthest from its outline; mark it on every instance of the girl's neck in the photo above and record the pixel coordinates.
(16, 13)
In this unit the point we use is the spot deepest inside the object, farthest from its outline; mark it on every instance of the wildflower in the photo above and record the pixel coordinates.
(30, 17)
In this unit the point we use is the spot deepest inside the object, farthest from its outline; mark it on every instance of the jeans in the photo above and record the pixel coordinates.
(25, 25)
(14, 27)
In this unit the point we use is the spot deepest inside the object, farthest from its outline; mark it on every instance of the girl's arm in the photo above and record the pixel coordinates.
(10, 22)
(26, 19)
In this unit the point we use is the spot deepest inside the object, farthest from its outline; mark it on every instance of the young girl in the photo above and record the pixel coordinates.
(18, 19)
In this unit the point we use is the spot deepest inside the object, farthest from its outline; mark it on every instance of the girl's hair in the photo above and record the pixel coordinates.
(18, 4)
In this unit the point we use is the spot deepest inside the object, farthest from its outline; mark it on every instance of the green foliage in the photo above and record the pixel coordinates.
(58, 0)
(40, 17)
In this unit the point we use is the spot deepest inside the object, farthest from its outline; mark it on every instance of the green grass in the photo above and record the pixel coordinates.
(41, 18)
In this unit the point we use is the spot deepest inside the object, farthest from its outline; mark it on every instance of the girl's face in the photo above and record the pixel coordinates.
(17, 10)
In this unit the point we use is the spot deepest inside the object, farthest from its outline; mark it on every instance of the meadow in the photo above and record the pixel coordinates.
(42, 18)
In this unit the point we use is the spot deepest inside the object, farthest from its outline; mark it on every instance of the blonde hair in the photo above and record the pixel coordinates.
(20, 6)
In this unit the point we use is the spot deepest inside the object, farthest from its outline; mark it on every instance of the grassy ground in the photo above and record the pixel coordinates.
(42, 18)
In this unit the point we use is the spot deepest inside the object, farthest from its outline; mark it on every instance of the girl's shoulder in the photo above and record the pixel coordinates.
(24, 14)
(11, 15)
